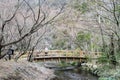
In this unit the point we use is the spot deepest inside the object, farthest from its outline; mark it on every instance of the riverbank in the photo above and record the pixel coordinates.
(23, 70)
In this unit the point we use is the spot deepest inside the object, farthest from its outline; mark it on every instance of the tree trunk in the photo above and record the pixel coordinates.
(0, 50)
(30, 57)
(118, 45)
(112, 52)
(1, 55)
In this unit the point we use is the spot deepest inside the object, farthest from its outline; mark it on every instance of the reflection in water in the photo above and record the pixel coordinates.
(72, 75)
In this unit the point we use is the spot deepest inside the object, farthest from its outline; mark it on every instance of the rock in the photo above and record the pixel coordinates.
(10, 70)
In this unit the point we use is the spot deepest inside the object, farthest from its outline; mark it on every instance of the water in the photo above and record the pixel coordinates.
(74, 75)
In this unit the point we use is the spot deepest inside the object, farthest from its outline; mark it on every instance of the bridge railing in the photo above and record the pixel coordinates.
(67, 53)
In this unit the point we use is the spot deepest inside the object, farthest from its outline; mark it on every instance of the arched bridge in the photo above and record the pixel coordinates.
(65, 55)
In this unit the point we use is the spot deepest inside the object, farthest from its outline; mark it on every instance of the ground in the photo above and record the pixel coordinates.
(23, 70)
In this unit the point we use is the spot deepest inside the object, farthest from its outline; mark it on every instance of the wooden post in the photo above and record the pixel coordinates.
(51, 59)
(66, 59)
(44, 59)
(59, 57)
(80, 55)
(73, 56)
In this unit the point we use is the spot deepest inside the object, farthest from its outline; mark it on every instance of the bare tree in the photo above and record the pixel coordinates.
(37, 18)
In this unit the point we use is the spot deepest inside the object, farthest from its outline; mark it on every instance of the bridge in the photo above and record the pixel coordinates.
(65, 55)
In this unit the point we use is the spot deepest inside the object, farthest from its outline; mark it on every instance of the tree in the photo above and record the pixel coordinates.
(106, 15)
(110, 16)
(28, 17)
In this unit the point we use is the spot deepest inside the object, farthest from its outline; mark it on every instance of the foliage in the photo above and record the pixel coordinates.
(83, 7)
(108, 71)
(77, 52)
(106, 78)
(118, 8)
(82, 39)
(118, 56)
(111, 75)
(65, 64)
(88, 58)
(59, 44)
(103, 58)
(74, 63)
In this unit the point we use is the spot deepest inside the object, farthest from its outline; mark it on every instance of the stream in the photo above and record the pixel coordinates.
(74, 75)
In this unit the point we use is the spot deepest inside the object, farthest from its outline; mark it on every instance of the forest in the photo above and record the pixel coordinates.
(28, 27)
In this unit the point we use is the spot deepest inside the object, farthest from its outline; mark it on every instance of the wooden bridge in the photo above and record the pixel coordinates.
(65, 55)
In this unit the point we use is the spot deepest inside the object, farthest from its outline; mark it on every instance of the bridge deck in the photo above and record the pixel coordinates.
(59, 58)
(64, 55)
